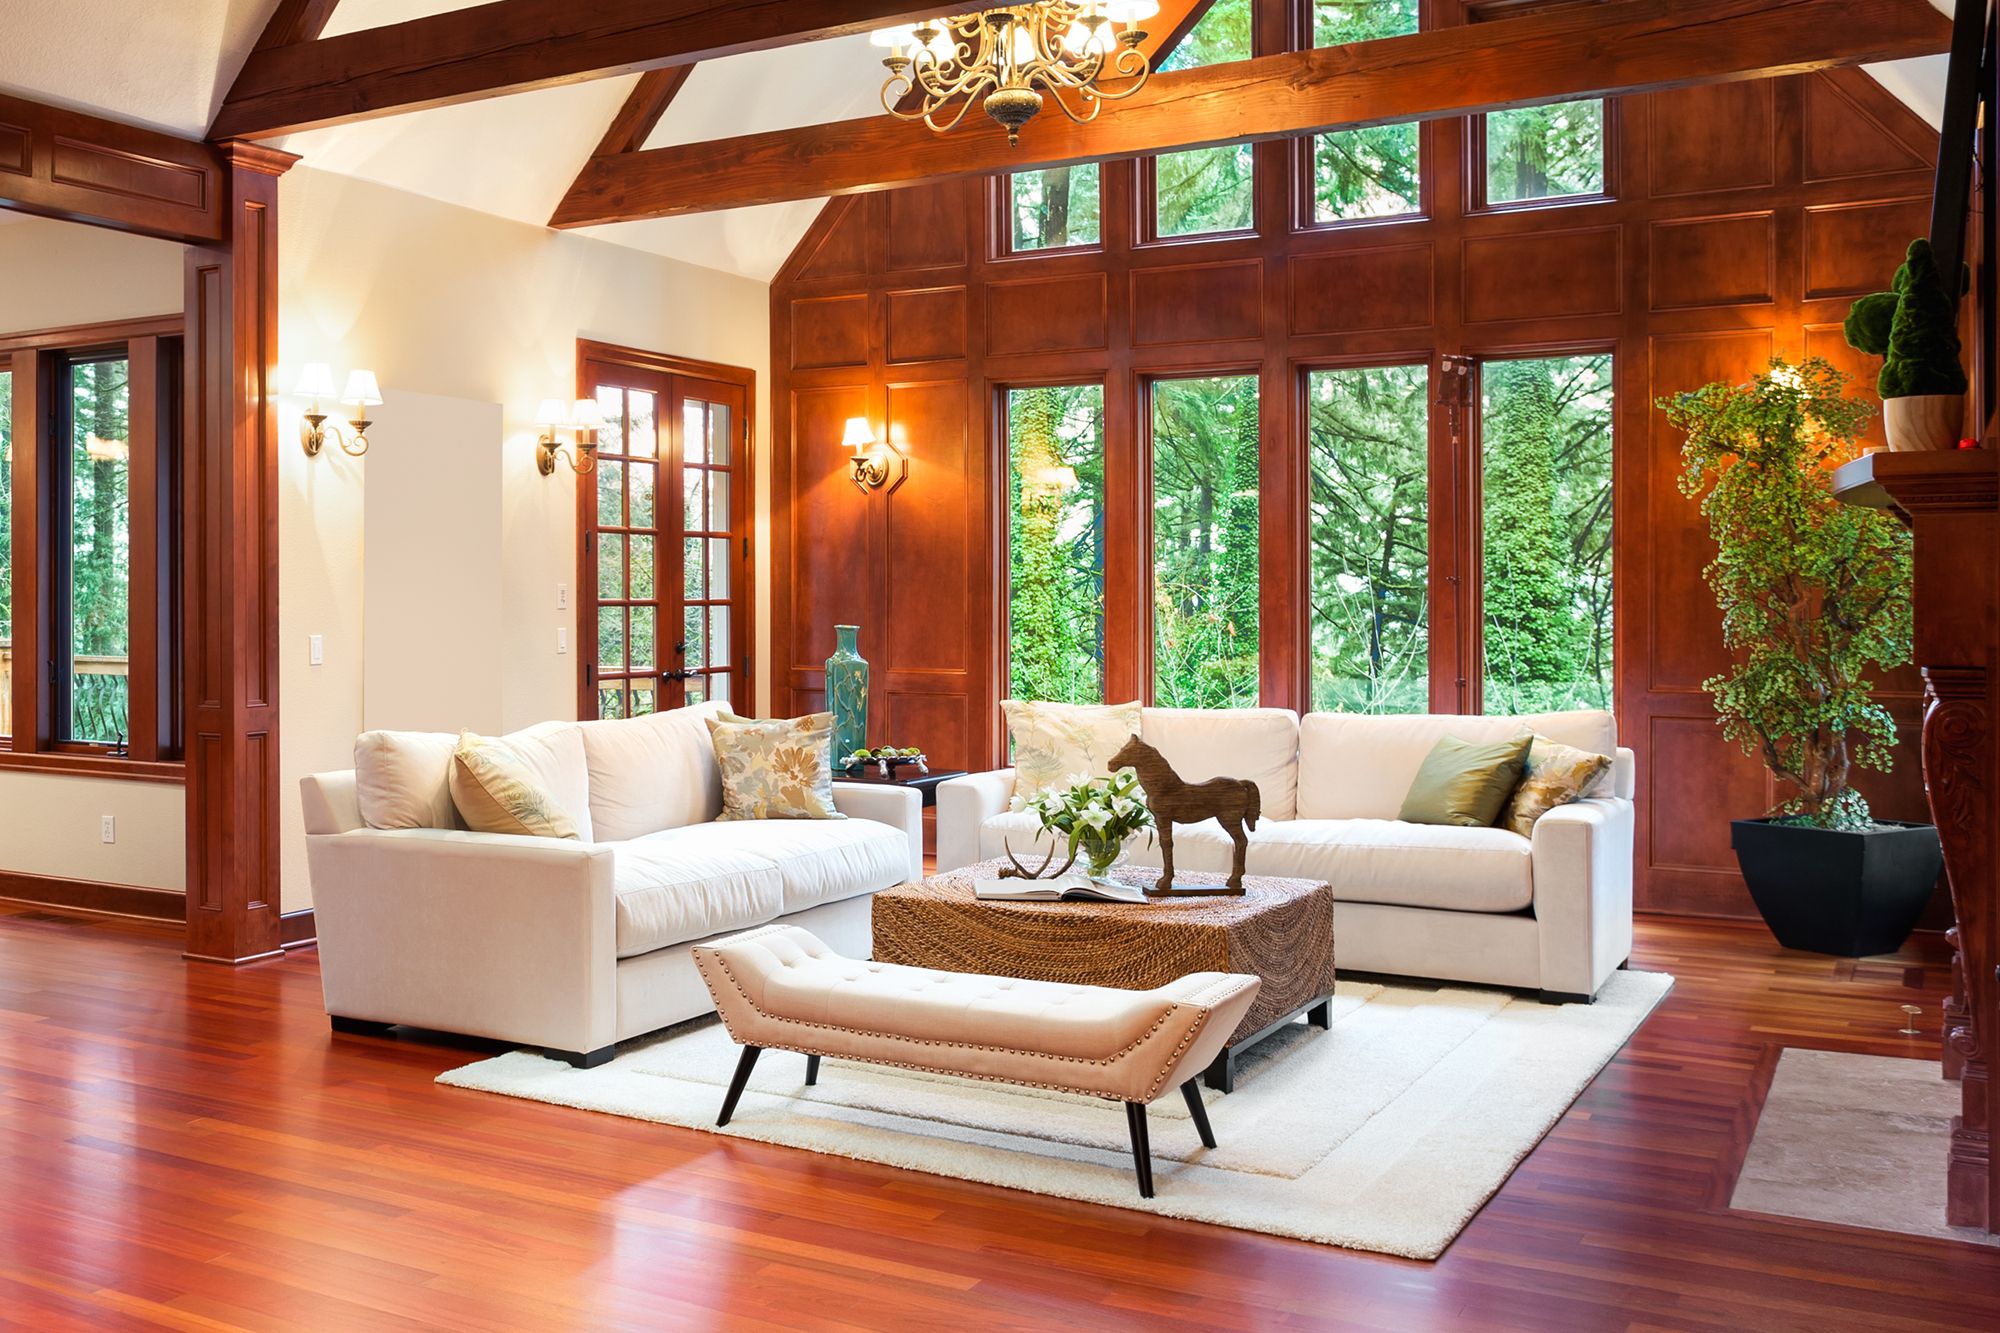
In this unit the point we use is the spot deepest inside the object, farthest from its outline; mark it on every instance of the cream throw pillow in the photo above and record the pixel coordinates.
(1054, 741)
(1556, 775)
(497, 791)
(777, 769)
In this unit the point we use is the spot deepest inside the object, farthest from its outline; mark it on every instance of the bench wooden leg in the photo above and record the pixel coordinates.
(1199, 1113)
(812, 1070)
(1142, 1148)
(744, 1064)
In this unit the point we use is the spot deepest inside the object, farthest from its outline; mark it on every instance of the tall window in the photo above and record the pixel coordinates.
(1206, 190)
(93, 658)
(1373, 172)
(1205, 542)
(1053, 208)
(1055, 550)
(1545, 464)
(1544, 152)
(1368, 473)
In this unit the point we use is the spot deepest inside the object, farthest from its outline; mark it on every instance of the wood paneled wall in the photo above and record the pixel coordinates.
(1743, 220)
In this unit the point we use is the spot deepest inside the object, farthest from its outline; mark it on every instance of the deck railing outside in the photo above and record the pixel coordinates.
(100, 698)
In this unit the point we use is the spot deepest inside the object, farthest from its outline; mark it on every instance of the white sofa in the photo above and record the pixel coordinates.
(573, 946)
(1551, 913)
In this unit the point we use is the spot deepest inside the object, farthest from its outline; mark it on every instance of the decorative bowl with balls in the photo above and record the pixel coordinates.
(886, 759)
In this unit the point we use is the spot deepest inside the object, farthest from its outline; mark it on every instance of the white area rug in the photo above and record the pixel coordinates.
(1386, 1132)
(1857, 1139)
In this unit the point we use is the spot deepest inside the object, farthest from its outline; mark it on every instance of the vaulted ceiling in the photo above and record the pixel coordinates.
(168, 65)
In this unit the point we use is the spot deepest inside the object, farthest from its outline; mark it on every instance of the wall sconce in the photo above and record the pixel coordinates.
(877, 463)
(362, 392)
(582, 419)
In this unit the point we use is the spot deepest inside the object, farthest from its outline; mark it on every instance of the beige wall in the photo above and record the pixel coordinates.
(430, 566)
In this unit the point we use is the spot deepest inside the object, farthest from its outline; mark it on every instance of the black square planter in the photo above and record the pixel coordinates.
(1836, 891)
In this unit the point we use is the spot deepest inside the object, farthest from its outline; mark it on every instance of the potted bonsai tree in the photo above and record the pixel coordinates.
(1815, 595)
(1914, 329)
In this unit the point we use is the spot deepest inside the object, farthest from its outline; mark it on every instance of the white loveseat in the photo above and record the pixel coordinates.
(1550, 913)
(573, 946)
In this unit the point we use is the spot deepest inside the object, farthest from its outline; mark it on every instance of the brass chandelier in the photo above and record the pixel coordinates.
(1006, 60)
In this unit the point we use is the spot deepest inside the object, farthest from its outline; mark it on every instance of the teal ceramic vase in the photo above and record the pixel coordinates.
(847, 693)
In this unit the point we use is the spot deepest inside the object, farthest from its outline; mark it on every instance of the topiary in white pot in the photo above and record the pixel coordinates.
(1914, 329)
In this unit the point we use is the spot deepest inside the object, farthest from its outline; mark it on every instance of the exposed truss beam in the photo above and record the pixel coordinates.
(1626, 46)
(295, 21)
(510, 46)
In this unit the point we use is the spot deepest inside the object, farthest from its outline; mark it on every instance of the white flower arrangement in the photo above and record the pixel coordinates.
(1096, 814)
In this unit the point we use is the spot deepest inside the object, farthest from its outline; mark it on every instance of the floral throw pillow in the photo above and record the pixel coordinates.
(776, 769)
(1556, 775)
(496, 791)
(1056, 742)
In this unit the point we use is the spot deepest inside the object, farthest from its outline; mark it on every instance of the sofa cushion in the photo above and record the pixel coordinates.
(775, 768)
(823, 861)
(1407, 865)
(652, 773)
(671, 889)
(1054, 742)
(1360, 765)
(1261, 744)
(495, 791)
(403, 778)
(1464, 783)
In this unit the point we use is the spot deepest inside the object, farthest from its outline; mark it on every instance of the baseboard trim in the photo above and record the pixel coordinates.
(84, 895)
(296, 929)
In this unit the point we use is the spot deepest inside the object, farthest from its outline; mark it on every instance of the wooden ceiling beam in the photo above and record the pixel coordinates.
(1620, 47)
(511, 46)
(295, 21)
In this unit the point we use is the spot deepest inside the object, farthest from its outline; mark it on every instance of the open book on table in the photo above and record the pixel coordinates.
(1071, 887)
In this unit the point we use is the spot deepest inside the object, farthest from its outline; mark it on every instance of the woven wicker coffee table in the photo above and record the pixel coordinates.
(1281, 930)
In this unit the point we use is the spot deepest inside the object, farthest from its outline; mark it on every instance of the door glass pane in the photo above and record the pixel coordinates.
(1053, 208)
(100, 550)
(718, 685)
(611, 495)
(645, 698)
(611, 638)
(611, 436)
(611, 698)
(718, 636)
(1055, 543)
(718, 502)
(645, 441)
(692, 583)
(697, 692)
(1367, 453)
(695, 498)
(6, 546)
(643, 638)
(719, 434)
(1545, 505)
(697, 651)
(639, 487)
(1204, 190)
(1545, 152)
(1205, 541)
(642, 568)
(718, 567)
(610, 565)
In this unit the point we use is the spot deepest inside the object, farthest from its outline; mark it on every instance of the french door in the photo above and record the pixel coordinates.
(664, 558)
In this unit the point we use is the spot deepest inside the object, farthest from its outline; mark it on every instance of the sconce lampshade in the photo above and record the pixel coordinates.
(551, 415)
(362, 390)
(859, 434)
(587, 416)
(315, 381)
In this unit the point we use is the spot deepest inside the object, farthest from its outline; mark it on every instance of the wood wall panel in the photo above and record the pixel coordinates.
(1697, 270)
(1829, 343)
(15, 142)
(1543, 274)
(63, 164)
(1844, 140)
(832, 331)
(1713, 261)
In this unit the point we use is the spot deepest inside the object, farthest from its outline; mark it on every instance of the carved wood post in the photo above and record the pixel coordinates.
(230, 481)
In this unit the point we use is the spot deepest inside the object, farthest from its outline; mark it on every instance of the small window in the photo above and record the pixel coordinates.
(94, 633)
(1220, 35)
(1053, 208)
(1365, 173)
(1205, 542)
(1207, 190)
(1055, 543)
(1544, 152)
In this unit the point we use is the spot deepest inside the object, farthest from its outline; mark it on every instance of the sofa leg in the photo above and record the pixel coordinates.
(359, 1027)
(744, 1064)
(1142, 1148)
(583, 1059)
(1197, 1112)
(1565, 997)
(812, 1070)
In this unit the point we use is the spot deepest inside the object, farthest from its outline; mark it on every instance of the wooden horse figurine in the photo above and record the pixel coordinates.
(1232, 802)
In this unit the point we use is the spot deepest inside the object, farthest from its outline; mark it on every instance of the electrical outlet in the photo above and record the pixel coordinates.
(562, 597)
(109, 830)
(562, 639)
(317, 649)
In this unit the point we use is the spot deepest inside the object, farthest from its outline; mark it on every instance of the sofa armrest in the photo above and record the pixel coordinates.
(1583, 893)
(1624, 775)
(963, 807)
(492, 936)
(898, 807)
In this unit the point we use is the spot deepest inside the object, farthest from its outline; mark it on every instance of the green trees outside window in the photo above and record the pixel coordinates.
(1546, 533)
(1207, 189)
(1055, 547)
(1373, 172)
(100, 543)
(1053, 208)
(1205, 542)
(1367, 447)
(1545, 152)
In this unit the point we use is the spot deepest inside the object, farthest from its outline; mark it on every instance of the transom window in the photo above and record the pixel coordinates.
(1206, 190)
(1052, 209)
(1373, 172)
(1543, 152)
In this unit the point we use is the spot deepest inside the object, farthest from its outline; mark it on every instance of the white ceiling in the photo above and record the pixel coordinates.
(167, 63)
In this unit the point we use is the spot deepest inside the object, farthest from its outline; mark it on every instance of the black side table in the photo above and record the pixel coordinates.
(924, 784)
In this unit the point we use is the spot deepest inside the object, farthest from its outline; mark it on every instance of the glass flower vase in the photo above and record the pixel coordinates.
(1099, 851)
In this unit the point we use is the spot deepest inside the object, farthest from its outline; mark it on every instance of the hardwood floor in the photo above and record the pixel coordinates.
(187, 1146)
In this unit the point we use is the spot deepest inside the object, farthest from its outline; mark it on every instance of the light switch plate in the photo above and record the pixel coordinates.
(317, 649)
(109, 829)
(562, 597)
(562, 639)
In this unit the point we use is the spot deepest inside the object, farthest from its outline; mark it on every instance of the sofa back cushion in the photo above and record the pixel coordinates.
(1261, 744)
(403, 778)
(652, 773)
(1360, 765)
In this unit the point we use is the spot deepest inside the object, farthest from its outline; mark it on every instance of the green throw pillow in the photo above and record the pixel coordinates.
(1466, 784)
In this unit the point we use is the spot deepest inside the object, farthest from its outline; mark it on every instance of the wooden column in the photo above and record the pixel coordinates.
(1952, 503)
(231, 567)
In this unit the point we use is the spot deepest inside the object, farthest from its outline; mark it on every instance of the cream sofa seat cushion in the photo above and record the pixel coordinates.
(403, 778)
(1360, 766)
(1261, 744)
(1406, 865)
(652, 773)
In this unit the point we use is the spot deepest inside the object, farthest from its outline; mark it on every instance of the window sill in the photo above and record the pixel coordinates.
(95, 766)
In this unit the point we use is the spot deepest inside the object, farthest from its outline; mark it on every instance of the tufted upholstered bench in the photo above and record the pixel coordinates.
(779, 986)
